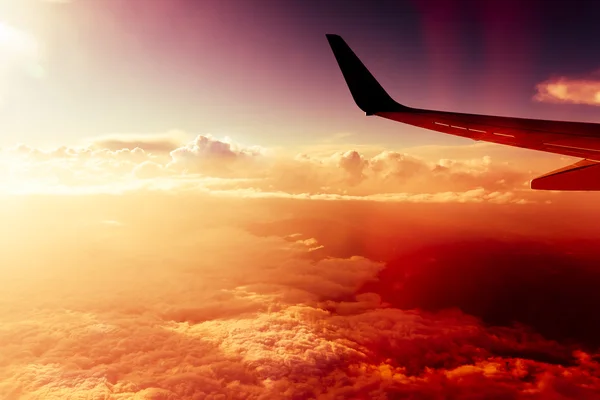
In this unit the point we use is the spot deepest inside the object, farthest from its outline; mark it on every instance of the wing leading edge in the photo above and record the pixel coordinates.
(577, 139)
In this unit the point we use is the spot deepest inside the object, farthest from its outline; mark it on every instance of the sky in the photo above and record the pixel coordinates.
(193, 207)
(263, 70)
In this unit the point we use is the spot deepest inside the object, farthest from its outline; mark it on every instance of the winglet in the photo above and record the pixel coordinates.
(366, 91)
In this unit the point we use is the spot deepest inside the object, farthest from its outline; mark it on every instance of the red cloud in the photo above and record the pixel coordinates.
(177, 301)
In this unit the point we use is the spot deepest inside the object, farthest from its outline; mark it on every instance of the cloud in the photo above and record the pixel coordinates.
(174, 298)
(223, 167)
(206, 154)
(150, 143)
(562, 89)
(472, 196)
(394, 175)
(501, 282)
(148, 170)
(159, 143)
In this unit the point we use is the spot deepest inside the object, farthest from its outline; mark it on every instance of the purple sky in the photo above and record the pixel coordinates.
(262, 70)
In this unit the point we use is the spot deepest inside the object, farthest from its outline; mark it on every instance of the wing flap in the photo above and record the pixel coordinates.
(583, 175)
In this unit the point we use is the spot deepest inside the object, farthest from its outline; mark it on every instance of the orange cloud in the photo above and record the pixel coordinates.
(569, 90)
(208, 155)
(226, 168)
(153, 143)
(174, 298)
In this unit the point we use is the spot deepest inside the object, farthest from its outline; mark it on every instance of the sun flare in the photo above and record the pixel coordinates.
(19, 49)
(15, 41)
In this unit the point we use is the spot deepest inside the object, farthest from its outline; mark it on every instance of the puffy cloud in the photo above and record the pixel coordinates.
(224, 167)
(393, 165)
(353, 163)
(396, 175)
(563, 89)
(208, 155)
(392, 172)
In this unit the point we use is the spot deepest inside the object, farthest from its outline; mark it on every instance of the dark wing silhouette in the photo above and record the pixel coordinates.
(578, 139)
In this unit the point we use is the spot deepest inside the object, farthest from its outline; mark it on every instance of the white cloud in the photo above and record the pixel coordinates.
(563, 89)
(224, 167)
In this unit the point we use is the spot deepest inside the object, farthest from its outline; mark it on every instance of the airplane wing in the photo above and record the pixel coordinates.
(578, 139)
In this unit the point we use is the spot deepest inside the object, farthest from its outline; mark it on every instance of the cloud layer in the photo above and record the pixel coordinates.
(177, 297)
(226, 168)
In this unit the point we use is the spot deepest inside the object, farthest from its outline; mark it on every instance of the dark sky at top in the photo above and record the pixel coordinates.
(500, 48)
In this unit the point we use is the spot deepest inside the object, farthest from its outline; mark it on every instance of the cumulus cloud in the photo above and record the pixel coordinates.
(126, 302)
(208, 155)
(225, 167)
(562, 89)
(395, 175)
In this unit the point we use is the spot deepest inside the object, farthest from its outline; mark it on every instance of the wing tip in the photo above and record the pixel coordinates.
(332, 36)
(367, 92)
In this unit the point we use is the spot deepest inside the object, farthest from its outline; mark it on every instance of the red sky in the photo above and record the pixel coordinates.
(194, 208)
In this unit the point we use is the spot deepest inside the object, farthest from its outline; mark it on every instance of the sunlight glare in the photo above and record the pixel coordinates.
(19, 48)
